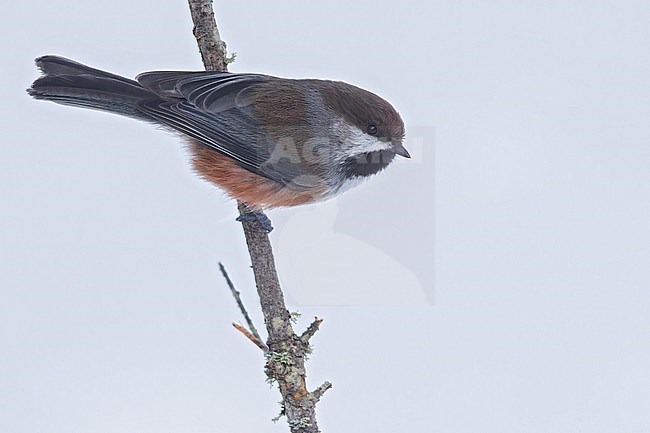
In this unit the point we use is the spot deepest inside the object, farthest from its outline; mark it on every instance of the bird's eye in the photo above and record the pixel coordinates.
(372, 129)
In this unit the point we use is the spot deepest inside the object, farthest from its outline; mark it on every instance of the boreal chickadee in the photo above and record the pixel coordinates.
(266, 141)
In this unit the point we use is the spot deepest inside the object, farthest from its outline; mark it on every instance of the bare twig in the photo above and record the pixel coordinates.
(318, 392)
(309, 332)
(256, 341)
(286, 351)
(240, 303)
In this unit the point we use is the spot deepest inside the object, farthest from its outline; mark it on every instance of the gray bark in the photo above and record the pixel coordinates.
(285, 358)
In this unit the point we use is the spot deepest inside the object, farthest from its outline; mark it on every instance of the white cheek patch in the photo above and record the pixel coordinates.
(365, 143)
(355, 141)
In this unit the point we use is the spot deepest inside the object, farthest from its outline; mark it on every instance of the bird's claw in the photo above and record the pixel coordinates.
(259, 217)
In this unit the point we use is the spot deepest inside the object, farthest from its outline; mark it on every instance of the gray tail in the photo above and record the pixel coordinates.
(70, 83)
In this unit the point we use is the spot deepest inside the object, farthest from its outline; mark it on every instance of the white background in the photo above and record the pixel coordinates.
(510, 295)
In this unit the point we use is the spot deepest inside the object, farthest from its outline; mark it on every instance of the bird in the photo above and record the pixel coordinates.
(266, 141)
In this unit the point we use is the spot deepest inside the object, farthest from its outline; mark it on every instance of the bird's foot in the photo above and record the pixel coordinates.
(259, 217)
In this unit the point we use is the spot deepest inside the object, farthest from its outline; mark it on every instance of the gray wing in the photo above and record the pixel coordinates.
(214, 108)
(213, 92)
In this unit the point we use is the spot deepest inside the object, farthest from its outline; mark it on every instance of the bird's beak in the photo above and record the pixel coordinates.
(401, 151)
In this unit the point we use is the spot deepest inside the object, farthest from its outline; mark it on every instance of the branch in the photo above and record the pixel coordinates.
(309, 332)
(256, 341)
(318, 392)
(212, 48)
(286, 356)
(240, 303)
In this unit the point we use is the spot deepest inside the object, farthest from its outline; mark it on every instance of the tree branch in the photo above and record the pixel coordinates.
(286, 356)
(256, 341)
(309, 332)
(240, 303)
(318, 392)
(212, 48)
